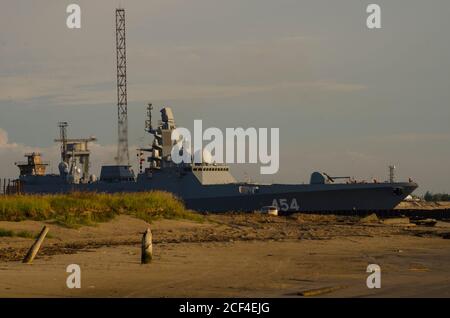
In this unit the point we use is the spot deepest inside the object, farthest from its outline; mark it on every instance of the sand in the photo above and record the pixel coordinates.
(231, 256)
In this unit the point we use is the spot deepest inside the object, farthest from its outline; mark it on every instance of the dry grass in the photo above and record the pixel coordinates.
(83, 208)
(23, 234)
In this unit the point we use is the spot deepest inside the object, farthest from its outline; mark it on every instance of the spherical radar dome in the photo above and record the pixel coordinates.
(207, 156)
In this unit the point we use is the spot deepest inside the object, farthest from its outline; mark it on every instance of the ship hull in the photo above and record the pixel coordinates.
(310, 200)
(229, 197)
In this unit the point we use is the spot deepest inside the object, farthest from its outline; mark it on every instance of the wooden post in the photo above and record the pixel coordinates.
(147, 248)
(35, 247)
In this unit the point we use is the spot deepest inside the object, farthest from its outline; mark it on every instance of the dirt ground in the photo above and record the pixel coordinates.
(233, 255)
(423, 205)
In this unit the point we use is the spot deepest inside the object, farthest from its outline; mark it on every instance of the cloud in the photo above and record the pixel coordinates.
(81, 71)
(10, 153)
(412, 137)
(20, 89)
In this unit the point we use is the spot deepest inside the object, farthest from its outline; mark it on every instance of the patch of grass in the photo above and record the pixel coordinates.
(23, 234)
(6, 233)
(27, 234)
(80, 208)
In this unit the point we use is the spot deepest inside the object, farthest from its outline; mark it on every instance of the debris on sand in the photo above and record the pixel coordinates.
(320, 291)
(372, 218)
(426, 222)
(404, 221)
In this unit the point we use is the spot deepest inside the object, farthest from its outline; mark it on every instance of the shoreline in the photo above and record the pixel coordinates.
(233, 255)
(410, 268)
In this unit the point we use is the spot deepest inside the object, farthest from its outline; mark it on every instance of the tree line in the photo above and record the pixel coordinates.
(433, 197)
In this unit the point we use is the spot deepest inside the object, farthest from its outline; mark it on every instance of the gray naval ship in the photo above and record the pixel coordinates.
(205, 186)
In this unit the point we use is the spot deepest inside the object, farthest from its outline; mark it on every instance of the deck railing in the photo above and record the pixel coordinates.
(10, 186)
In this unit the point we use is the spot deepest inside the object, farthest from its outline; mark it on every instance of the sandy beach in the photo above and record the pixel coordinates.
(231, 255)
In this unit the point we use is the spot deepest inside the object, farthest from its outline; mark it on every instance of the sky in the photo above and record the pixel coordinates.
(348, 100)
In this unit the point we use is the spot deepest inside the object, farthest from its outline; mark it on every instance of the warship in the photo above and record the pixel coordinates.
(205, 186)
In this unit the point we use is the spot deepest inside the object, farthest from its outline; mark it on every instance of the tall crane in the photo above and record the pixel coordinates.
(123, 157)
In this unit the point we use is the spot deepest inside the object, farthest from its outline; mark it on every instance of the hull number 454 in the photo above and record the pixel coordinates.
(285, 204)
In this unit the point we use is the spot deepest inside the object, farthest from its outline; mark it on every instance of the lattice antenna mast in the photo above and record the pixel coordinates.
(122, 102)
(63, 137)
